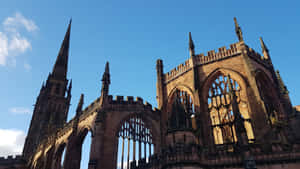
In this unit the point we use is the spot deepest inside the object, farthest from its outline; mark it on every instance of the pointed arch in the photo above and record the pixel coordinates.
(180, 108)
(182, 88)
(135, 140)
(268, 95)
(233, 74)
(217, 102)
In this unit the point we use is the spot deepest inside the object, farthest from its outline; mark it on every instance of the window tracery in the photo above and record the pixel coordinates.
(221, 113)
(182, 110)
(135, 142)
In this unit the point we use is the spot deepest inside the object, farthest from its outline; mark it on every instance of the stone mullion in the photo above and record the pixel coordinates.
(122, 158)
(145, 143)
(140, 139)
(128, 153)
(134, 139)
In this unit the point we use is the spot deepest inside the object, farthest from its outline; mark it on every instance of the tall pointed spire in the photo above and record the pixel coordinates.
(238, 30)
(191, 45)
(61, 64)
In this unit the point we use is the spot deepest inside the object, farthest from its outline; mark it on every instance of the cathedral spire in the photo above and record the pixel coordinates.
(191, 45)
(61, 63)
(238, 30)
(105, 80)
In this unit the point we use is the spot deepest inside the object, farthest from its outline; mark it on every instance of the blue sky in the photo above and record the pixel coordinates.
(131, 35)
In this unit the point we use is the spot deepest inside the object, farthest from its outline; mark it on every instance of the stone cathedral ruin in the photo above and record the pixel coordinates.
(225, 109)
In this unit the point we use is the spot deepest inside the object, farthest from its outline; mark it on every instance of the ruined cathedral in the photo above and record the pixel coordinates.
(225, 109)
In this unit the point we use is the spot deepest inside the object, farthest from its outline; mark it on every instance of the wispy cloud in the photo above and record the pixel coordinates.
(11, 142)
(20, 110)
(19, 21)
(3, 48)
(12, 42)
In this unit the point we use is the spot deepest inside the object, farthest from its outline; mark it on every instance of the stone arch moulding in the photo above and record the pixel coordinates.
(146, 119)
(265, 74)
(242, 83)
(269, 80)
(89, 125)
(136, 133)
(212, 76)
(182, 88)
(84, 130)
(273, 97)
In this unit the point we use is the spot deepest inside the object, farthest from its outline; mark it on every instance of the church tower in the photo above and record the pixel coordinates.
(52, 104)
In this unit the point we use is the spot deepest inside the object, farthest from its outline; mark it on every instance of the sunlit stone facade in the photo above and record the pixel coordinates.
(224, 109)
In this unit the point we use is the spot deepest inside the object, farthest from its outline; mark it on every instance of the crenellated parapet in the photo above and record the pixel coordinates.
(214, 56)
(11, 159)
(201, 59)
(122, 102)
(182, 68)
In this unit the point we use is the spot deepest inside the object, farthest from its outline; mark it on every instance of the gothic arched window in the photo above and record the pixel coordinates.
(182, 110)
(268, 96)
(135, 142)
(221, 114)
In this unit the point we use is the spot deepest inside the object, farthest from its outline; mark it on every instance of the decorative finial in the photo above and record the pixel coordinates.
(263, 45)
(106, 74)
(80, 104)
(238, 30)
(105, 80)
(191, 45)
(264, 48)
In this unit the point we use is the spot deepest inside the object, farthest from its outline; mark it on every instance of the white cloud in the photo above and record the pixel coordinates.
(20, 110)
(11, 142)
(12, 43)
(13, 23)
(19, 44)
(3, 48)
